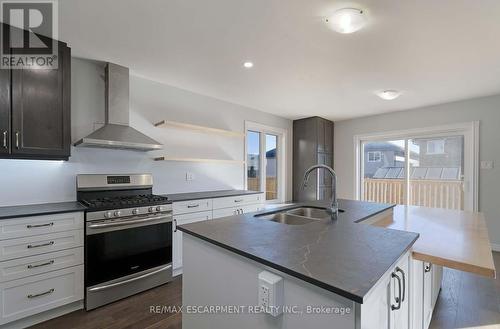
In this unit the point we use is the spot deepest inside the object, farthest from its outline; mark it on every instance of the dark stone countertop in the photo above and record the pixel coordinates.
(208, 195)
(341, 256)
(40, 209)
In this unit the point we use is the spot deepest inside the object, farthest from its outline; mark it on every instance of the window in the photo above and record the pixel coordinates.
(265, 161)
(253, 161)
(435, 146)
(374, 156)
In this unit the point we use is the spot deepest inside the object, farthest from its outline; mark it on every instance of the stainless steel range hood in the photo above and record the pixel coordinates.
(116, 132)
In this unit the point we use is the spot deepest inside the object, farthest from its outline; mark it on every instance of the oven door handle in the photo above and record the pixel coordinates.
(129, 222)
(116, 284)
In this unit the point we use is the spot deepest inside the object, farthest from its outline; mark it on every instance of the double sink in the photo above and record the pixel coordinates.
(297, 216)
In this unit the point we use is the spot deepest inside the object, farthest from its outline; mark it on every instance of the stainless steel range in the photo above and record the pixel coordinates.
(128, 236)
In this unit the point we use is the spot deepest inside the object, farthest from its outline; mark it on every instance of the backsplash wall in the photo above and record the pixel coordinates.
(25, 182)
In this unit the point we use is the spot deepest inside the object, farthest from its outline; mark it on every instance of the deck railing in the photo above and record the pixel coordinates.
(271, 193)
(447, 194)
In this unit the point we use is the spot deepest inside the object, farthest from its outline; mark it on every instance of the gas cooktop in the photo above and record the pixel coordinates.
(124, 201)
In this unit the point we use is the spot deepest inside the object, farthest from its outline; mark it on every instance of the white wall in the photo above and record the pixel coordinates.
(486, 110)
(24, 182)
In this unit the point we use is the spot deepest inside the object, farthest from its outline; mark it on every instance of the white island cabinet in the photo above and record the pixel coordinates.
(192, 211)
(231, 279)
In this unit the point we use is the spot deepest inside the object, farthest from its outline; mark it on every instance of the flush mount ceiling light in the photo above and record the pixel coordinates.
(248, 65)
(389, 95)
(347, 20)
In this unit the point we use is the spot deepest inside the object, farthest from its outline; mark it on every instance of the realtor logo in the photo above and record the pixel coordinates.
(29, 34)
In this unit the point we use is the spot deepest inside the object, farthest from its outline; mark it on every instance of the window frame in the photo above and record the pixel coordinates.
(281, 158)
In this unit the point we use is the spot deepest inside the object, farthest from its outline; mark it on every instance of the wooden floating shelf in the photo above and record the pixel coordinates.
(165, 158)
(166, 123)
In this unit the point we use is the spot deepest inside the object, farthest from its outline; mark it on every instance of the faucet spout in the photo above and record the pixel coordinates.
(334, 206)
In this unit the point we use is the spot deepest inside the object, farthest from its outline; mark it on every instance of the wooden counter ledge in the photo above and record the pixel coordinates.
(451, 238)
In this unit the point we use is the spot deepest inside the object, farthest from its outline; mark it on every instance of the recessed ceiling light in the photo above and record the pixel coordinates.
(248, 65)
(389, 95)
(347, 20)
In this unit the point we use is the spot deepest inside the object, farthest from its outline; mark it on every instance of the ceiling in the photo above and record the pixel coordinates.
(433, 51)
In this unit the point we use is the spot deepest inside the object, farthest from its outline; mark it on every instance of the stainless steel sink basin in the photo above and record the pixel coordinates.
(297, 216)
(284, 218)
(316, 213)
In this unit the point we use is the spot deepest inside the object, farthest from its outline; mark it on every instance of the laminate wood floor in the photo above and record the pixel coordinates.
(466, 301)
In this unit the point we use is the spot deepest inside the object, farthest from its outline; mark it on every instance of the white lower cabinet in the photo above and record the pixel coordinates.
(35, 294)
(218, 213)
(387, 304)
(400, 294)
(426, 287)
(192, 211)
(22, 267)
(177, 235)
(41, 267)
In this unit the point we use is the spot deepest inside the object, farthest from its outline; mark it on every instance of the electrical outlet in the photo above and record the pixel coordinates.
(271, 293)
(487, 165)
(189, 176)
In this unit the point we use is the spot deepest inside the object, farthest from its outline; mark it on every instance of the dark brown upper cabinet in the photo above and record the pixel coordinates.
(4, 112)
(312, 145)
(35, 111)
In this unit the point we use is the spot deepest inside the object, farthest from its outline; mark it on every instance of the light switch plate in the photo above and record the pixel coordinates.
(487, 165)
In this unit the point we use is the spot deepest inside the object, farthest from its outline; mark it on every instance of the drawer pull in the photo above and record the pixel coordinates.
(39, 225)
(40, 245)
(193, 205)
(30, 266)
(238, 200)
(41, 294)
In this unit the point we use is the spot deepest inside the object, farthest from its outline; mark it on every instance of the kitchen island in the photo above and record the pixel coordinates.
(341, 273)
(340, 265)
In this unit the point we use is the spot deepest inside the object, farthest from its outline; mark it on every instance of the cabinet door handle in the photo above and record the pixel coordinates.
(398, 299)
(39, 225)
(175, 225)
(238, 200)
(30, 266)
(5, 139)
(427, 268)
(404, 282)
(193, 205)
(41, 294)
(30, 246)
(17, 139)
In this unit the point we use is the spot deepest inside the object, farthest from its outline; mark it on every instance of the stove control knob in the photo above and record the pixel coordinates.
(151, 209)
(158, 208)
(117, 213)
(108, 214)
(135, 211)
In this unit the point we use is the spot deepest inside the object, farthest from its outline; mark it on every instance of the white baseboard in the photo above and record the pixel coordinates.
(495, 247)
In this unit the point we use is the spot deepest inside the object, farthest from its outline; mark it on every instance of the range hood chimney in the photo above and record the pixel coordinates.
(116, 132)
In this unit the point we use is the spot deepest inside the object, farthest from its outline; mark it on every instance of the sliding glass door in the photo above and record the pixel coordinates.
(430, 170)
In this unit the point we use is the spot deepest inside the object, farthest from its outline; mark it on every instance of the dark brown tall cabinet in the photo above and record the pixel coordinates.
(312, 144)
(35, 110)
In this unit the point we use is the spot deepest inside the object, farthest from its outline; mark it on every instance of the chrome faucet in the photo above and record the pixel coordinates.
(334, 207)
